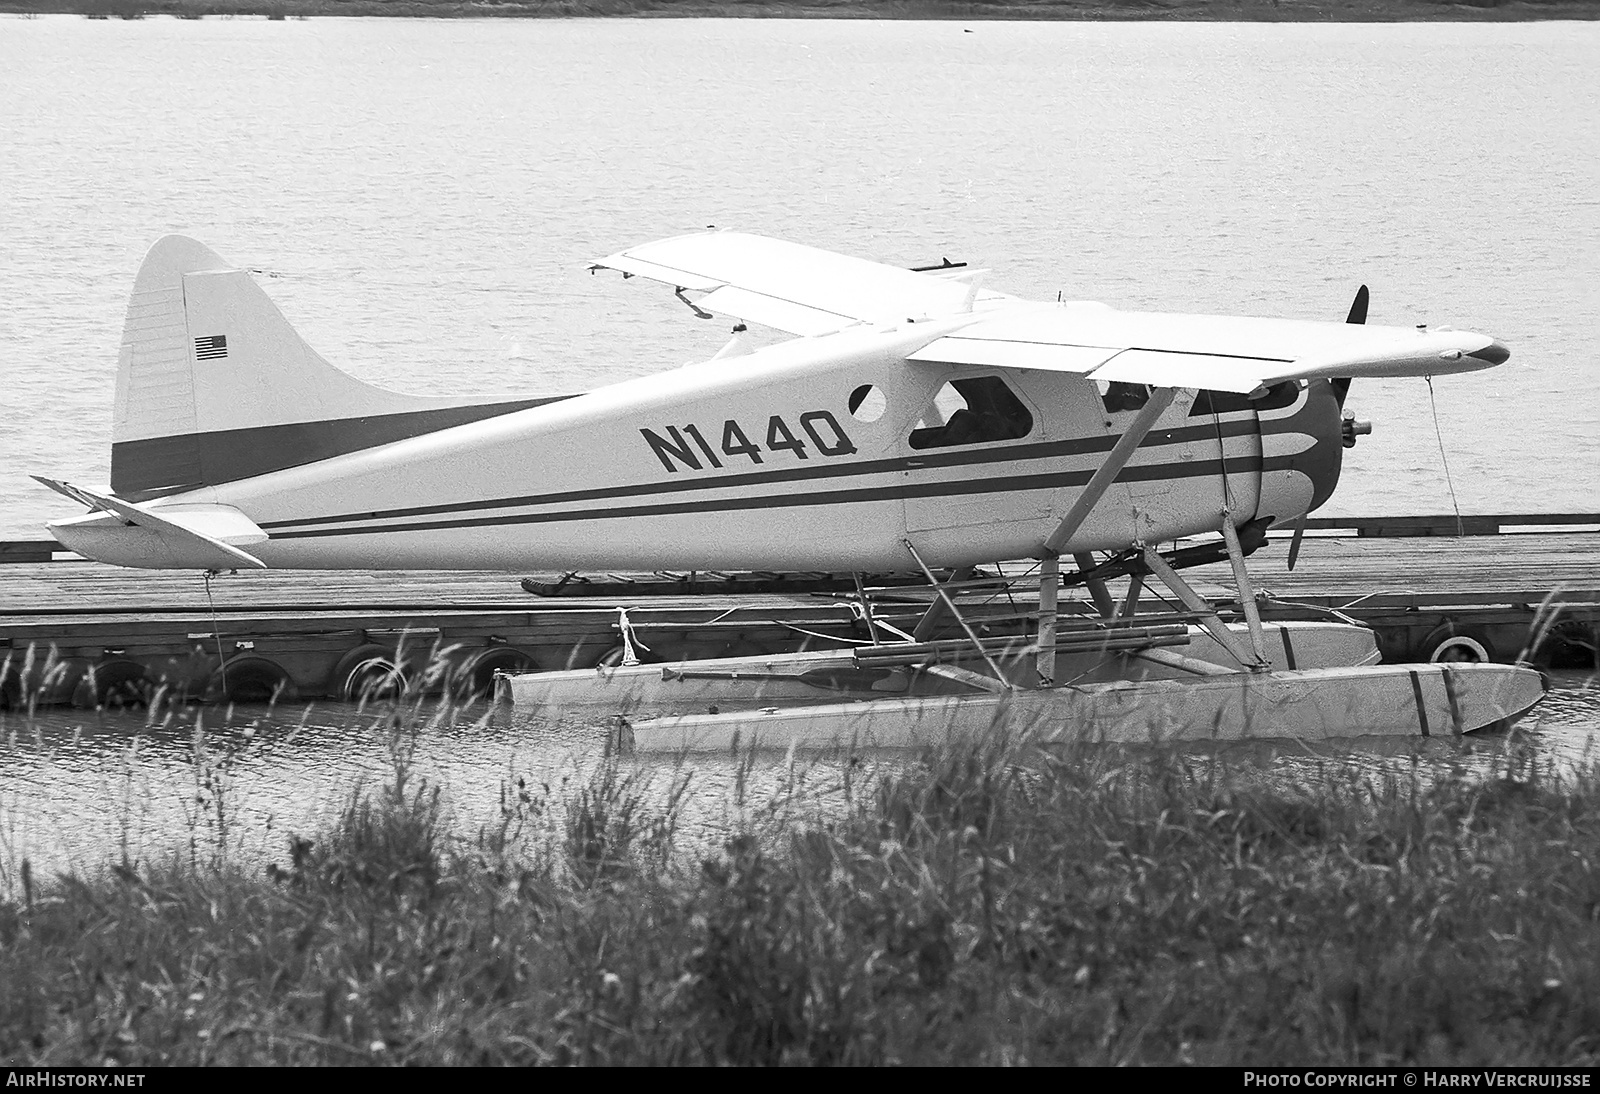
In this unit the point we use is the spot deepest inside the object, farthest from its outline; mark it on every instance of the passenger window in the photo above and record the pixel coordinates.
(979, 410)
(867, 403)
(1119, 396)
(1277, 397)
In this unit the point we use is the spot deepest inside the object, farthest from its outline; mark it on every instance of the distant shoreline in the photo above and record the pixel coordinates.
(1285, 11)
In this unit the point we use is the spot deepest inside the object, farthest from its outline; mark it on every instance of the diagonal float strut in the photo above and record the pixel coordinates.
(1093, 491)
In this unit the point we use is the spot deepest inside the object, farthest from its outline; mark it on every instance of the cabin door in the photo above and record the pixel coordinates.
(967, 447)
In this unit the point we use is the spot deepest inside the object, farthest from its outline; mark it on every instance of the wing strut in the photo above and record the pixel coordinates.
(1093, 491)
(1127, 444)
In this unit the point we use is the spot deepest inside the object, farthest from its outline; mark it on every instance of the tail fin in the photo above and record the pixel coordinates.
(214, 385)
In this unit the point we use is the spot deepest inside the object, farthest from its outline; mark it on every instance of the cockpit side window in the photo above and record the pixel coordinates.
(1119, 396)
(1276, 397)
(975, 410)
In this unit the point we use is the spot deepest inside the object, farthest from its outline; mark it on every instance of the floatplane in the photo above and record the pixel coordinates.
(917, 421)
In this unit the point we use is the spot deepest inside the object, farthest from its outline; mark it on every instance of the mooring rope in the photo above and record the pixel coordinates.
(216, 631)
(1445, 460)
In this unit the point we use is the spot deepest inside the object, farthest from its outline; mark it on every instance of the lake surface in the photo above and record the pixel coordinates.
(422, 197)
(84, 788)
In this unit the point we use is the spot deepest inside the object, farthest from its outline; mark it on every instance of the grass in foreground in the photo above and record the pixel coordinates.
(985, 903)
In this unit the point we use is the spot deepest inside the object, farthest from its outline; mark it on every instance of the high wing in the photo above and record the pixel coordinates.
(806, 291)
(794, 288)
(1220, 353)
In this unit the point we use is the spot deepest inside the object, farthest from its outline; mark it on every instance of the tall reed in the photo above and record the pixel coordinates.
(984, 901)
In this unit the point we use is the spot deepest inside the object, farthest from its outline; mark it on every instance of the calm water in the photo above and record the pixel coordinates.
(422, 197)
(80, 788)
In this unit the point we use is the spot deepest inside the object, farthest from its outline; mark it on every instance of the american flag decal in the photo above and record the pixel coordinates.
(207, 349)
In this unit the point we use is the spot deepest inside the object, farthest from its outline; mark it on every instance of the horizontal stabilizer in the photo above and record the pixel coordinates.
(188, 532)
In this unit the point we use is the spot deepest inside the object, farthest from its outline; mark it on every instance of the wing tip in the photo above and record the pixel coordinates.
(1495, 353)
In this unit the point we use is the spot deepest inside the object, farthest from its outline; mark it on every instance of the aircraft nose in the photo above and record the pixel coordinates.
(1495, 353)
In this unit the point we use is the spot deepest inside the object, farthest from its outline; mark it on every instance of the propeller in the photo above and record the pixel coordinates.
(1297, 539)
(1358, 314)
(1341, 388)
(1358, 307)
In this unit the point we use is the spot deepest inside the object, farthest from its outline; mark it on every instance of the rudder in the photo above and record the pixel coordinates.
(214, 385)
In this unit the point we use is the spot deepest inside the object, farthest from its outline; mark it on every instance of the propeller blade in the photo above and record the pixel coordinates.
(1358, 307)
(1299, 533)
(1358, 314)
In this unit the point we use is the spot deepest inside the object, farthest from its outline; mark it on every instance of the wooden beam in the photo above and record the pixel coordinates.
(1445, 524)
(30, 550)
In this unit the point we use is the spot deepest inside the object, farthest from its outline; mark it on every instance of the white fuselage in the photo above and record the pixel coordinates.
(757, 462)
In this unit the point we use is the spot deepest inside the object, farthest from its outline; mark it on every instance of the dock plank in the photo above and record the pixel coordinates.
(1472, 569)
(1408, 589)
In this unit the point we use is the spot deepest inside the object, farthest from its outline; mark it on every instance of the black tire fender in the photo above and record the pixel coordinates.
(474, 677)
(120, 682)
(250, 679)
(1454, 642)
(366, 672)
(58, 682)
(10, 687)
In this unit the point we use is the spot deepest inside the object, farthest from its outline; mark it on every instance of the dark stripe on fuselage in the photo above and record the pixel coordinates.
(158, 466)
(1318, 418)
(921, 461)
(1052, 481)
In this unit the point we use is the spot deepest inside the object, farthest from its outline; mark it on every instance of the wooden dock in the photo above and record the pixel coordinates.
(80, 632)
(83, 633)
(1534, 594)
